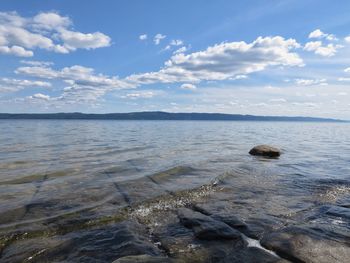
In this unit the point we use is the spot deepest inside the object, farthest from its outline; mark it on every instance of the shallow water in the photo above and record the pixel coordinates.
(91, 171)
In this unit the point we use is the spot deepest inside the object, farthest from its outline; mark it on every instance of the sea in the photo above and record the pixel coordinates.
(62, 179)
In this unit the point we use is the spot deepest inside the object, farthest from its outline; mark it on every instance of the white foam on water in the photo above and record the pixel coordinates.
(256, 243)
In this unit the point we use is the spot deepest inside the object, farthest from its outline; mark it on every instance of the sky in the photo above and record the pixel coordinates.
(261, 57)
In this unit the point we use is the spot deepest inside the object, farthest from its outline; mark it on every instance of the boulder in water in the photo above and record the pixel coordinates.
(265, 150)
(205, 227)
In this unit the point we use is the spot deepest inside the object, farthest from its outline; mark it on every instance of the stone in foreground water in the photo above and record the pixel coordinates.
(304, 244)
(265, 150)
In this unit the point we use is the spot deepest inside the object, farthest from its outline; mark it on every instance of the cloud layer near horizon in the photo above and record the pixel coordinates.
(219, 62)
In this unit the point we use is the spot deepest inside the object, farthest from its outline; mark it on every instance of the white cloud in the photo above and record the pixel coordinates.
(343, 79)
(239, 77)
(50, 21)
(143, 37)
(40, 96)
(310, 82)
(188, 86)
(176, 42)
(49, 31)
(13, 85)
(312, 46)
(75, 75)
(347, 70)
(326, 51)
(73, 40)
(157, 38)
(316, 34)
(224, 61)
(280, 100)
(319, 34)
(306, 104)
(37, 63)
(140, 95)
(347, 39)
(180, 50)
(16, 51)
(24, 82)
(83, 84)
(168, 47)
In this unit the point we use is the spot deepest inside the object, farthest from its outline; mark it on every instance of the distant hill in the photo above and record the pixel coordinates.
(158, 115)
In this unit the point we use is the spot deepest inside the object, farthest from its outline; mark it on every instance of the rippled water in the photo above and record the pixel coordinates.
(52, 169)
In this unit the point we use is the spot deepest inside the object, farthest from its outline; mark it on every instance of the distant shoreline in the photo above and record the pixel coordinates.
(158, 115)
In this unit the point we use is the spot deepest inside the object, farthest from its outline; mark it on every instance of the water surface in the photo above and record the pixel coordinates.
(87, 170)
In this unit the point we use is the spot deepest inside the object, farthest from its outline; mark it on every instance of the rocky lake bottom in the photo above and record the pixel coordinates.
(101, 191)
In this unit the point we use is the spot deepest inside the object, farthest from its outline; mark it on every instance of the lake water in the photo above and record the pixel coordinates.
(61, 179)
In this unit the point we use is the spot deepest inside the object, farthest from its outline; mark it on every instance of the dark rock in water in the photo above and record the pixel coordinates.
(300, 244)
(124, 239)
(265, 150)
(143, 259)
(220, 215)
(256, 227)
(253, 255)
(251, 227)
(97, 245)
(231, 220)
(205, 227)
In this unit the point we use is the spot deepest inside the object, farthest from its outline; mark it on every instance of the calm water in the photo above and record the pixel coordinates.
(49, 169)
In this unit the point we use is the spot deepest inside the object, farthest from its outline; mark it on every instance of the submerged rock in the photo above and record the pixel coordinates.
(265, 150)
(300, 244)
(143, 259)
(205, 227)
(104, 244)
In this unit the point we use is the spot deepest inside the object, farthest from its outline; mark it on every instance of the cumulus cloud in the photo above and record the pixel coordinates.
(40, 96)
(12, 85)
(188, 86)
(318, 48)
(158, 38)
(347, 39)
(24, 82)
(232, 60)
(16, 51)
(75, 75)
(82, 82)
(19, 36)
(319, 34)
(50, 21)
(74, 40)
(347, 70)
(143, 37)
(224, 61)
(180, 50)
(312, 46)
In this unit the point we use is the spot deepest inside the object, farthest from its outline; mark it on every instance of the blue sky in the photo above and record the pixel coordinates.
(248, 57)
